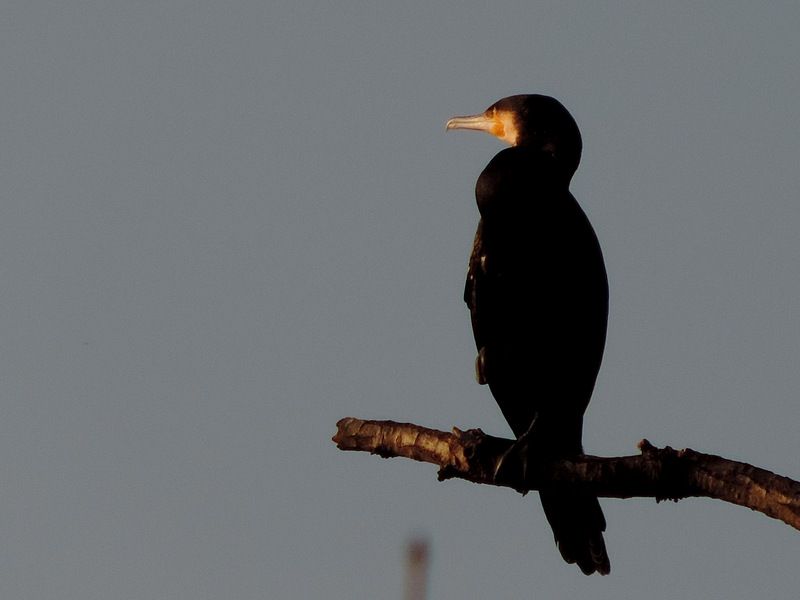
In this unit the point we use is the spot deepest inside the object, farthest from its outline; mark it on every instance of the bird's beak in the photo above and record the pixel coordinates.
(498, 123)
(481, 122)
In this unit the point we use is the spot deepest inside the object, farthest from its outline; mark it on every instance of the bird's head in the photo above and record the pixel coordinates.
(532, 121)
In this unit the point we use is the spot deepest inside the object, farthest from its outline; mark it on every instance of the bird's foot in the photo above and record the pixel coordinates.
(513, 463)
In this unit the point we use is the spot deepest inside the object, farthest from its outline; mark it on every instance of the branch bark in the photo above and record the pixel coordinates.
(660, 473)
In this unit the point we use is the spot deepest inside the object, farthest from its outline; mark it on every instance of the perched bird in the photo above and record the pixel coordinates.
(537, 292)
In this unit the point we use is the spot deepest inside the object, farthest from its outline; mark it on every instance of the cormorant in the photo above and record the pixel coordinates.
(537, 292)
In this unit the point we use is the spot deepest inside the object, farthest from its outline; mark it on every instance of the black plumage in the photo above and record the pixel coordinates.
(538, 297)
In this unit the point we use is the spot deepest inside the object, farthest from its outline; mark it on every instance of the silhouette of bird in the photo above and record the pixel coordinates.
(537, 292)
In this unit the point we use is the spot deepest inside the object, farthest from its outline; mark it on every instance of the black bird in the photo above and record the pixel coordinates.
(537, 292)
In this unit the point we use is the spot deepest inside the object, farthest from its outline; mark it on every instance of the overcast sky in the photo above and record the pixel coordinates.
(226, 225)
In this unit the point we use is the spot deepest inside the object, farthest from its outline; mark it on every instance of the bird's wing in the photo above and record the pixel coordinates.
(475, 274)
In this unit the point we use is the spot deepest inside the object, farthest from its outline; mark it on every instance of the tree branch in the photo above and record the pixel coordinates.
(655, 473)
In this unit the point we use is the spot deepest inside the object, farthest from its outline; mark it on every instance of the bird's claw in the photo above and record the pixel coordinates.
(513, 463)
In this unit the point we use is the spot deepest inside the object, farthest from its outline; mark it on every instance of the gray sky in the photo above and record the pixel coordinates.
(227, 225)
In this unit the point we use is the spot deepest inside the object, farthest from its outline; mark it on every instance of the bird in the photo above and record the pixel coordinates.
(537, 292)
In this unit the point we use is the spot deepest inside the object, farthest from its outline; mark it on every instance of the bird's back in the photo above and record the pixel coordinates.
(537, 293)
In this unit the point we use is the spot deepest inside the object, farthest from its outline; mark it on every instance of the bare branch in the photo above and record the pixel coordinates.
(655, 473)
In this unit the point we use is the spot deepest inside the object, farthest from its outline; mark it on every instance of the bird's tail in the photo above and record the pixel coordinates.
(578, 525)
